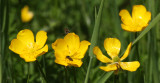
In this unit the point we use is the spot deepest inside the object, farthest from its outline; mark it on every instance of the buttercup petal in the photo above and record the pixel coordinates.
(130, 66)
(17, 46)
(138, 11)
(125, 55)
(26, 15)
(73, 42)
(134, 28)
(112, 46)
(41, 38)
(109, 67)
(147, 17)
(61, 61)
(75, 63)
(28, 57)
(125, 17)
(60, 48)
(41, 51)
(100, 56)
(26, 37)
(82, 50)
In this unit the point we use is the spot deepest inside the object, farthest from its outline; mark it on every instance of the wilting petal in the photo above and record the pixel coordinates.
(17, 46)
(112, 46)
(130, 66)
(125, 55)
(125, 17)
(41, 38)
(138, 11)
(60, 48)
(26, 15)
(26, 37)
(82, 50)
(100, 56)
(73, 42)
(75, 63)
(109, 67)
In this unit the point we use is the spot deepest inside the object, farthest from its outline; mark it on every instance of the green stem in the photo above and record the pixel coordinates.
(66, 74)
(28, 73)
(88, 70)
(75, 77)
(40, 70)
(116, 79)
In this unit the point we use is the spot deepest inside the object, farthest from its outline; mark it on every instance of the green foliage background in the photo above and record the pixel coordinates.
(54, 16)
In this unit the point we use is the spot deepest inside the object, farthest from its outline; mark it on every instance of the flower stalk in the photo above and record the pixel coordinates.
(41, 71)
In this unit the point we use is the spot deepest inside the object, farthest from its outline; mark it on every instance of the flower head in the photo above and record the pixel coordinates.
(25, 46)
(69, 51)
(26, 15)
(112, 46)
(138, 21)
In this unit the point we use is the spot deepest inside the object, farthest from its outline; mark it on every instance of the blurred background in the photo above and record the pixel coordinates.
(78, 16)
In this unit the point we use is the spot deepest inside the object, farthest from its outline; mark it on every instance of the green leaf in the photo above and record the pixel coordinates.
(105, 77)
(94, 38)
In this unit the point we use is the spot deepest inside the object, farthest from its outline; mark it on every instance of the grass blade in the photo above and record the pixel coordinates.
(105, 77)
(94, 38)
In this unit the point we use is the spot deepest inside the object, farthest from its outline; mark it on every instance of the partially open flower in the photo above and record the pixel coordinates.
(69, 51)
(138, 21)
(112, 46)
(26, 47)
(26, 15)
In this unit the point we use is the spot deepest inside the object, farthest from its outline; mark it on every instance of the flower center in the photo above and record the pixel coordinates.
(68, 57)
(116, 59)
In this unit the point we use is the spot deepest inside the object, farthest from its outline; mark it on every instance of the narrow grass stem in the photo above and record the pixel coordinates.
(66, 75)
(88, 70)
(28, 73)
(41, 71)
(75, 77)
(116, 79)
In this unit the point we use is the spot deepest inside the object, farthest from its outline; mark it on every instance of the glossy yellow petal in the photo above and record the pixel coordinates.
(112, 46)
(26, 15)
(130, 66)
(61, 61)
(100, 56)
(26, 37)
(60, 48)
(73, 42)
(125, 17)
(17, 46)
(138, 11)
(41, 51)
(109, 67)
(125, 55)
(133, 28)
(75, 63)
(41, 38)
(28, 57)
(147, 17)
(82, 50)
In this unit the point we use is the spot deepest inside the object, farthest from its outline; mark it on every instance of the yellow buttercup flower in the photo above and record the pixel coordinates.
(26, 15)
(69, 51)
(112, 46)
(25, 46)
(138, 21)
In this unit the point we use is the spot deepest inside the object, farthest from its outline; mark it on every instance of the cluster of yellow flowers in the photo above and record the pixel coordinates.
(70, 50)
